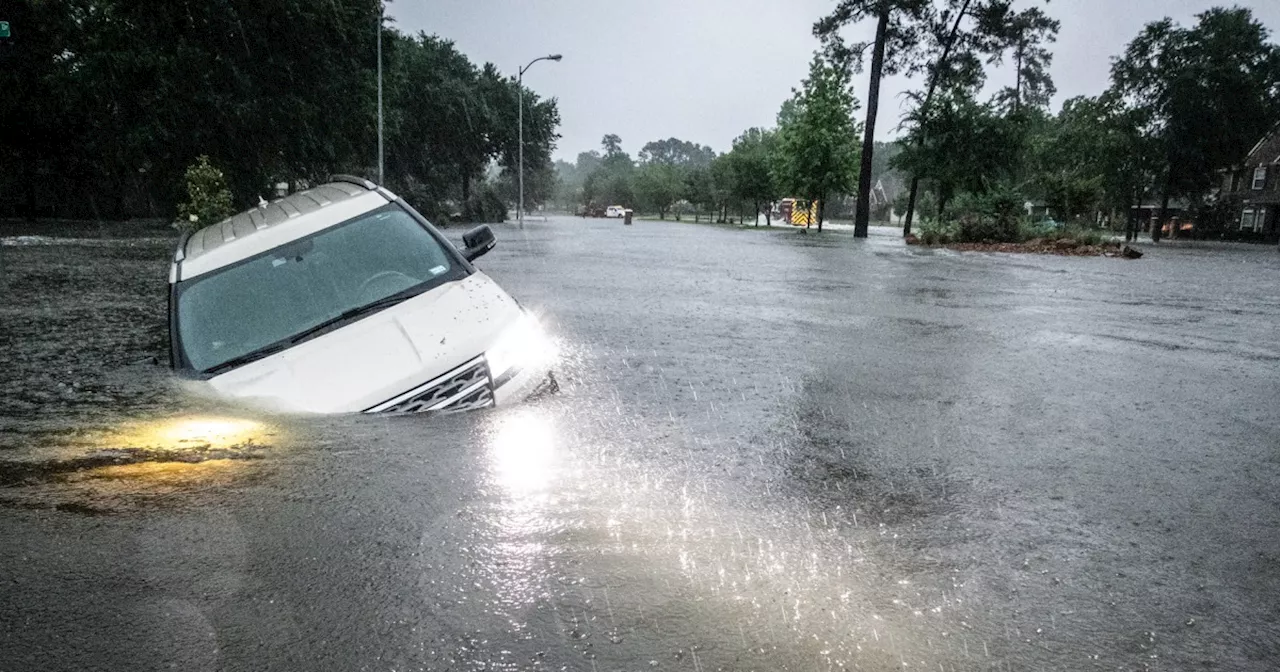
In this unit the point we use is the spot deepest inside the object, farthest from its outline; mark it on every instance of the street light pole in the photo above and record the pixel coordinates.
(520, 123)
(520, 161)
(381, 162)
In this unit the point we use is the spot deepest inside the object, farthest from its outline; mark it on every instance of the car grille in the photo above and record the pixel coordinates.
(463, 389)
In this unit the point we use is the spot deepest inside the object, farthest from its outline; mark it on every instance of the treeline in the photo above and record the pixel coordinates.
(811, 154)
(108, 102)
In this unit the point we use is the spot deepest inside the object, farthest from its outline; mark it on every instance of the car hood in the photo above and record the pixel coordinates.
(364, 363)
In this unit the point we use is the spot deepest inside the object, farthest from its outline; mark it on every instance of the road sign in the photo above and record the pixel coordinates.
(4, 29)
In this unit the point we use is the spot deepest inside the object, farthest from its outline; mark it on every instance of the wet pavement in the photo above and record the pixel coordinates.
(771, 451)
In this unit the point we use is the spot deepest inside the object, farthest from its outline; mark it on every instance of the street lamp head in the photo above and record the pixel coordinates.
(554, 57)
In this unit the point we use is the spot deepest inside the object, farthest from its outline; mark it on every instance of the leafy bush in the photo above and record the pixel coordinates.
(1047, 229)
(208, 199)
(1083, 235)
(993, 217)
(934, 232)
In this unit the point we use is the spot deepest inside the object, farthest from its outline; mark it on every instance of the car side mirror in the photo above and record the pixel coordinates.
(477, 242)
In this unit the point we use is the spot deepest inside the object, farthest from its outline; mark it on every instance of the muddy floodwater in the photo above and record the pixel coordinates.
(770, 451)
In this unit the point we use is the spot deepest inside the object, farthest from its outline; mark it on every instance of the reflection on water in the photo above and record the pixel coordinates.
(129, 461)
(188, 433)
(521, 446)
(522, 450)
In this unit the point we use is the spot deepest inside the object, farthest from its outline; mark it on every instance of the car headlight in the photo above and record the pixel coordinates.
(523, 346)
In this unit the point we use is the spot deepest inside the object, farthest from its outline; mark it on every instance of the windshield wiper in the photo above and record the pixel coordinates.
(353, 314)
(246, 358)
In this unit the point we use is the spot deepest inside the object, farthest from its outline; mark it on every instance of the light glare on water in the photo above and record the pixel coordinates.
(522, 449)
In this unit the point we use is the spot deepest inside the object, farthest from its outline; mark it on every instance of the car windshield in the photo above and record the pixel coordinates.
(266, 301)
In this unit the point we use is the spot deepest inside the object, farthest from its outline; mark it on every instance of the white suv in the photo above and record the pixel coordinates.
(343, 298)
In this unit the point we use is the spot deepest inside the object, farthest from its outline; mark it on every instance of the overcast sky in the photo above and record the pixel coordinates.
(705, 70)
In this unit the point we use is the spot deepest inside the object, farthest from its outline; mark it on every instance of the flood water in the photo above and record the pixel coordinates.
(771, 451)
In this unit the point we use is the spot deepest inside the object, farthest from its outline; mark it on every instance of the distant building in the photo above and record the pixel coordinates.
(1255, 184)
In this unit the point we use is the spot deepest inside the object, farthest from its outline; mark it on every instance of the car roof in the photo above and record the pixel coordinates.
(262, 228)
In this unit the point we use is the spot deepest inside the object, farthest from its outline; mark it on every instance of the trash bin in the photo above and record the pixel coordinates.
(626, 217)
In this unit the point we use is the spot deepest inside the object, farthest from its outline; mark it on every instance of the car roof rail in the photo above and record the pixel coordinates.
(181, 253)
(352, 179)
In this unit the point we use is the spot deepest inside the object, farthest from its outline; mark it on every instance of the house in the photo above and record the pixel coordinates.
(1255, 185)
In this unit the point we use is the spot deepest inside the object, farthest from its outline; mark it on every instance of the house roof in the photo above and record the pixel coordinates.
(1267, 151)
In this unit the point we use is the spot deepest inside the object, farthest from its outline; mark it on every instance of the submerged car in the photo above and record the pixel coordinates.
(342, 298)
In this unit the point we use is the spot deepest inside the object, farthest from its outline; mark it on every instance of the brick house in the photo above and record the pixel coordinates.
(1256, 185)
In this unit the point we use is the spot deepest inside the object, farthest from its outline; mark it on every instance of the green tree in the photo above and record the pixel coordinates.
(571, 178)
(660, 180)
(1023, 35)
(699, 189)
(961, 38)
(751, 166)
(721, 182)
(612, 183)
(818, 149)
(960, 146)
(1205, 95)
(1092, 156)
(658, 186)
(612, 145)
(436, 140)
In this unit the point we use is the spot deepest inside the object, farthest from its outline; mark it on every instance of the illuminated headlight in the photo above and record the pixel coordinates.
(523, 346)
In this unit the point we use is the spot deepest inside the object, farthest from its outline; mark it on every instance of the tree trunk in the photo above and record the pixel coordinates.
(862, 218)
(822, 210)
(1136, 219)
(768, 215)
(1017, 86)
(911, 205)
(756, 210)
(928, 98)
